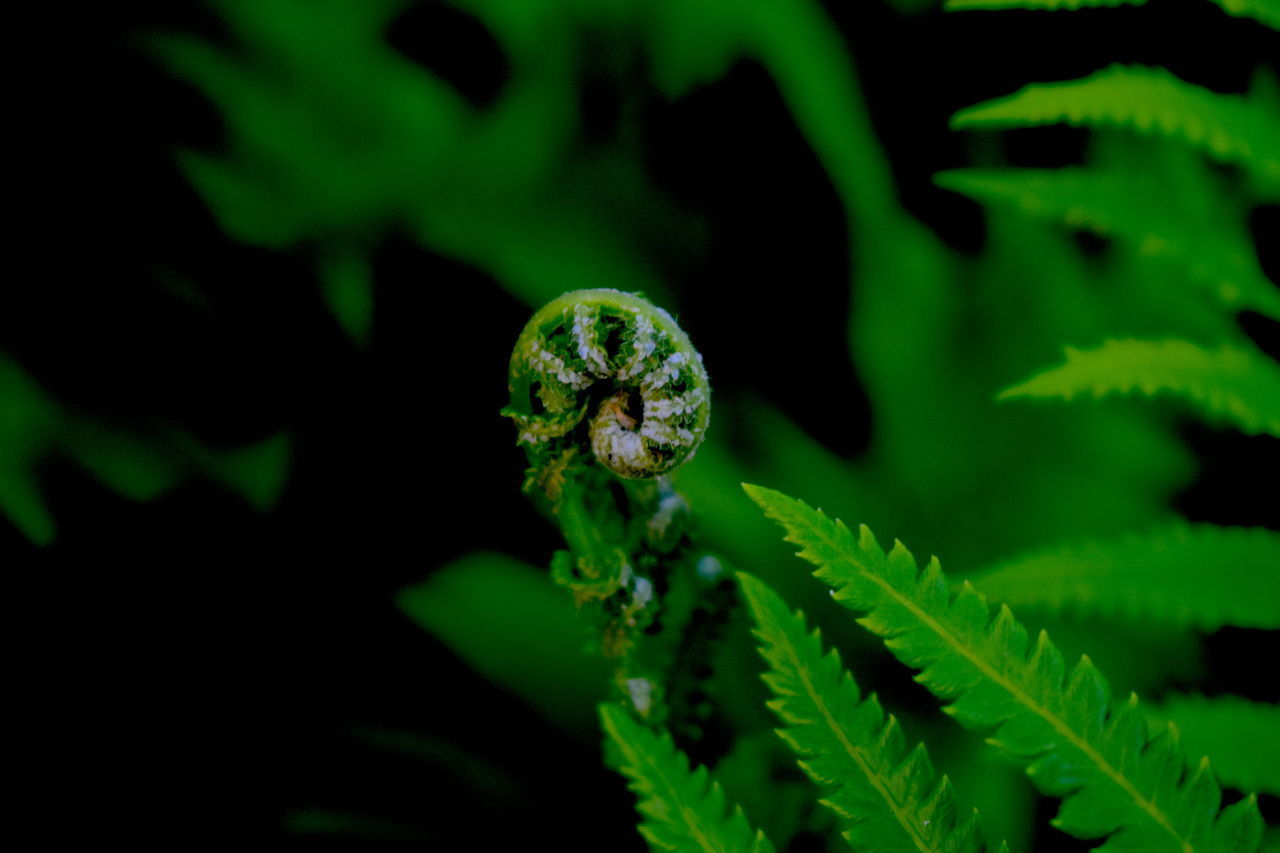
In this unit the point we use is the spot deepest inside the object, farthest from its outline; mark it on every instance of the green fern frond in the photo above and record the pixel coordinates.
(1124, 205)
(1264, 11)
(1115, 781)
(1198, 575)
(1230, 128)
(1242, 738)
(1236, 384)
(889, 798)
(682, 810)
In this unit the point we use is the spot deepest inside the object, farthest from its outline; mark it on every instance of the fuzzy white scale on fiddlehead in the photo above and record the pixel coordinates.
(610, 371)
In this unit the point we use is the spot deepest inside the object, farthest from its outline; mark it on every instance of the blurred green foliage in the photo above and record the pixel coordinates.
(138, 463)
(537, 651)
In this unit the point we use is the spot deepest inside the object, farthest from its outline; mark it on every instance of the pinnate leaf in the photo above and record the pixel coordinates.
(683, 810)
(1229, 382)
(1237, 129)
(1198, 575)
(888, 796)
(1116, 781)
(1212, 248)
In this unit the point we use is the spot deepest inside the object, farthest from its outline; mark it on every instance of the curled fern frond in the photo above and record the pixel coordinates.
(889, 797)
(1234, 129)
(1200, 575)
(1115, 780)
(618, 366)
(1125, 206)
(1242, 738)
(682, 810)
(1235, 384)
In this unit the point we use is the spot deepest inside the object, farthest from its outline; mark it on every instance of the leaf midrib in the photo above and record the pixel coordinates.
(859, 755)
(1024, 698)
(688, 815)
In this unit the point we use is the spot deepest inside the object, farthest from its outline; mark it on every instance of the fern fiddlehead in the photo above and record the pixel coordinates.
(618, 364)
(608, 397)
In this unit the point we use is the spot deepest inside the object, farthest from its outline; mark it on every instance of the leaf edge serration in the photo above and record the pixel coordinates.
(1115, 781)
(682, 808)
(887, 795)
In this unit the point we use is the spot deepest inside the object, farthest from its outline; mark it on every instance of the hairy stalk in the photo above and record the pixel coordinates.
(609, 397)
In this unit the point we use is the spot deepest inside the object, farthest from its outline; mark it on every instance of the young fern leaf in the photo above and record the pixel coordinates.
(1125, 206)
(1242, 738)
(889, 797)
(1230, 128)
(1234, 384)
(1265, 11)
(1115, 781)
(1199, 575)
(682, 810)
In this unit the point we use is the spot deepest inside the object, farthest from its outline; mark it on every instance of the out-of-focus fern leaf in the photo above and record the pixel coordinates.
(1236, 384)
(28, 420)
(760, 775)
(683, 810)
(1241, 738)
(1266, 11)
(888, 797)
(513, 627)
(1231, 128)
(691, 42)
(1115, 780)
(138, 464)
(1137, 209)
(346, 280)
(1264, 89)
(322, 150)
(1200, 575)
